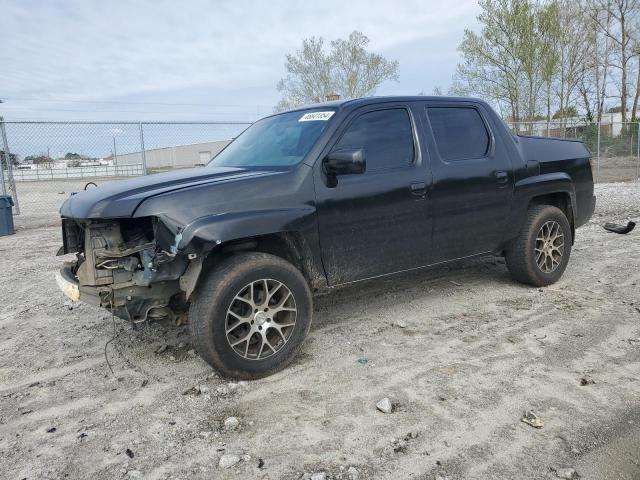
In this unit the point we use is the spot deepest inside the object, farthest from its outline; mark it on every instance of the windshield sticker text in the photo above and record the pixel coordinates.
(316, 116)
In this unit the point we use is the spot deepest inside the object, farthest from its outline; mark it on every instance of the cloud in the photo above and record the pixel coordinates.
(153, 55)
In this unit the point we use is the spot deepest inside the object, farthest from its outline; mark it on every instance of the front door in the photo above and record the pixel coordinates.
(377, 222)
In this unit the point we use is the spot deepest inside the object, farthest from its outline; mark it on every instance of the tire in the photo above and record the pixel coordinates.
(242, 295)
(532, 265)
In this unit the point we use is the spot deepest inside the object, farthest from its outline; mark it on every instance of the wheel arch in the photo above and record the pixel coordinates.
(556, 189)
(288, 245)
(560, 200)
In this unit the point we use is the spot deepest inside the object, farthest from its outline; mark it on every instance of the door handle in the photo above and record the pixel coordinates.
(502, 177)
(419, 189)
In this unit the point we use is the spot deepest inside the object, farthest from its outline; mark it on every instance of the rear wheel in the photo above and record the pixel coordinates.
(250, 315)
(540, 254)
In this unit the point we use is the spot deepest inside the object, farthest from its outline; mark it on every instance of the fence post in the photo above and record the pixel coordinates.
(7, 157)
(4, 187)
(144, 156)
(638, 154)
(598, 156)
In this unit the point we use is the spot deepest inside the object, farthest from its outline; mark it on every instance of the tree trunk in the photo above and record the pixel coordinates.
(636, 96)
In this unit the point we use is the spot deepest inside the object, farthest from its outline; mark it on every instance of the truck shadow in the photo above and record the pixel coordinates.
(402, 288)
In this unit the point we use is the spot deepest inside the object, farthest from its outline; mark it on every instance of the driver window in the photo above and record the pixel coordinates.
(386, 137)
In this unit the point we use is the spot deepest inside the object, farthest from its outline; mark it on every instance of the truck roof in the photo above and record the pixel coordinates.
(357, 102)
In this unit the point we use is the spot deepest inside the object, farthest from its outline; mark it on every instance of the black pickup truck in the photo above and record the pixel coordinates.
(317, 197)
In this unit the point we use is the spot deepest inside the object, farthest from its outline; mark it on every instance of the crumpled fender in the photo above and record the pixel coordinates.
(220, 228)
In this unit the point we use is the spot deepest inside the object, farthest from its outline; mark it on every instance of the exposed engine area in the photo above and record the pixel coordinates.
(120, 266)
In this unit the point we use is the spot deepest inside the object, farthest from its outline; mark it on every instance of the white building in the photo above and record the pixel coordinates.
(181, 156)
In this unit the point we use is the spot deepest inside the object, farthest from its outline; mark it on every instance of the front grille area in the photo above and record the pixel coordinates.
(72, 236)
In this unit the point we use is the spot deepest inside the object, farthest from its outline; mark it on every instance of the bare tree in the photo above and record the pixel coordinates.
(348, 70)
(594, 75)
(572, 38)
(620, 30)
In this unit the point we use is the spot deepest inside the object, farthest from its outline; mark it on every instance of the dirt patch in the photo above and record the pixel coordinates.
(461, 352)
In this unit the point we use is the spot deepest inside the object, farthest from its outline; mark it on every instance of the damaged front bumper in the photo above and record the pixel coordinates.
(68, 284)
(120, 266)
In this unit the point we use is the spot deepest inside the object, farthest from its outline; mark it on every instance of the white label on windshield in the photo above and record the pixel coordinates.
(316, 116)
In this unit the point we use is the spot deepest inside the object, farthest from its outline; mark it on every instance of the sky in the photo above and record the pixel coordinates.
(202, 60)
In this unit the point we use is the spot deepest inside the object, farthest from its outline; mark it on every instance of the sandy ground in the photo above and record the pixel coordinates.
(476, 351)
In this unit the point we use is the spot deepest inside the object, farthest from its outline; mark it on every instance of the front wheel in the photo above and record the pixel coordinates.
(540, 254)
(250, 315)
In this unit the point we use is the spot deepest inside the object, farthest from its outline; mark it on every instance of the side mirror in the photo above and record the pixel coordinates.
(346, 161)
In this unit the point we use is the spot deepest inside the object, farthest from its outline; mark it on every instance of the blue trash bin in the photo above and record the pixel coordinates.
(6, 215)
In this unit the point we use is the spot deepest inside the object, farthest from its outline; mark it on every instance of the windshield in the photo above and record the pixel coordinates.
(278, 141)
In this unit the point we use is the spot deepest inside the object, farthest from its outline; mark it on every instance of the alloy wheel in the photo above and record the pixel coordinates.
(549, 247)
(260, 319)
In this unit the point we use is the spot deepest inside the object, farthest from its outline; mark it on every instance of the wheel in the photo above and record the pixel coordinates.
(251, 315)
(539, 255)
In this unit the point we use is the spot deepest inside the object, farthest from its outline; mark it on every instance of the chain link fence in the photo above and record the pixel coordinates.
(43, 162)
(615, 147)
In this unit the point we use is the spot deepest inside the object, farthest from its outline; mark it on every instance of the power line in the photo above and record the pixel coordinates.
(122, 102)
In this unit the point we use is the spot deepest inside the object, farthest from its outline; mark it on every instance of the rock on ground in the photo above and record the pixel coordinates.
(228, 460)
(384, 405)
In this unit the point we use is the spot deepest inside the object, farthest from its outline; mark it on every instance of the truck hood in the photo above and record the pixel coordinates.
(119, 199)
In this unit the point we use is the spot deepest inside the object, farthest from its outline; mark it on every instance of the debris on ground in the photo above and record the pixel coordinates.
(385, 405)
(231, 423)
(621, 229)
(228, 460)
(353, 473)
(319, 476)
(51, 429)
(162, 348)
(129, 453)
(362, 361)
(400, 324)
(530, 418)
(397, 445)
(565, 473)
(584, 381)
(192, 391)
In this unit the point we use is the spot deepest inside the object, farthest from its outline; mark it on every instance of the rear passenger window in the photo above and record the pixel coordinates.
(460, 132)
(386, 137)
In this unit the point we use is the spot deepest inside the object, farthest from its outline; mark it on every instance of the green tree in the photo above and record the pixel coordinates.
(13, 158)
(348, 69)
(502, 62)
(568, 112)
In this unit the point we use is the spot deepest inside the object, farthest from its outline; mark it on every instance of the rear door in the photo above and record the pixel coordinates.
(377, 222)
(472, 180)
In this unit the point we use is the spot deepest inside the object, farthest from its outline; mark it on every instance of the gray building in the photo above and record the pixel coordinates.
(180, 156)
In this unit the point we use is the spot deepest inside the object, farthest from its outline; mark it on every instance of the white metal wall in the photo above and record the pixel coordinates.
(181, 156)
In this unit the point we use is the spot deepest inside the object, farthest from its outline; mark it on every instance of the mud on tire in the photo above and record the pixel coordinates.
(539, 255)
(257, 297)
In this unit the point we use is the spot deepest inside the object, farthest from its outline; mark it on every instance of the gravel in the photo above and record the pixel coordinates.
(473, 356)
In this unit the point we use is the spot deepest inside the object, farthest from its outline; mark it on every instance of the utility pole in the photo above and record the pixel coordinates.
(4, 187)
